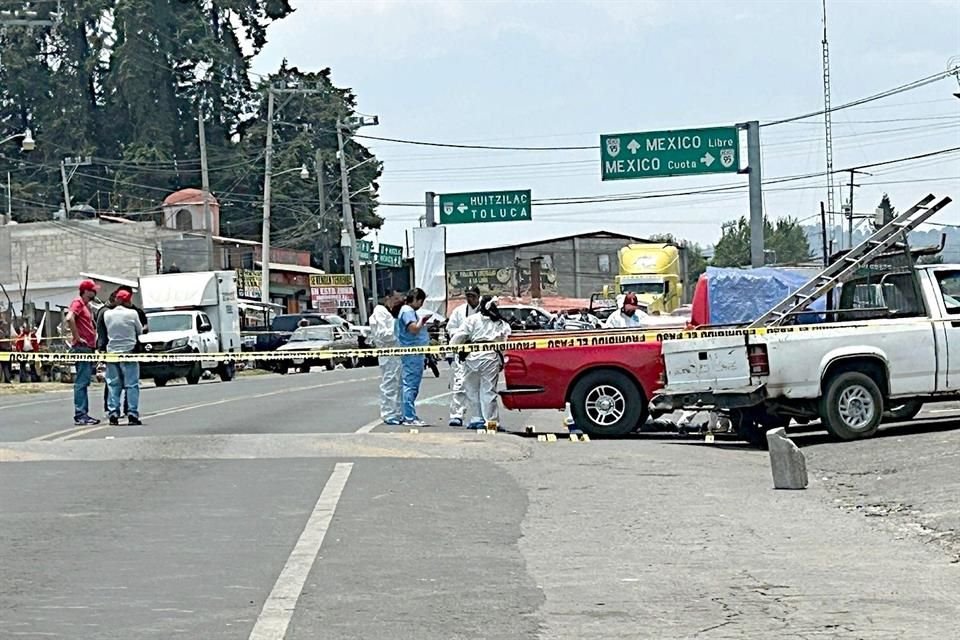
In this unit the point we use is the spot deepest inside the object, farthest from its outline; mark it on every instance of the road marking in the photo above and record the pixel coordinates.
(53, 435)
(279, 606)
(370, 426)
(57, 437)
(30, 404)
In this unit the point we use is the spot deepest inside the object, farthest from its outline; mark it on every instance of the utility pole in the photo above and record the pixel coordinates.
(205, 185)
(66, 188)
(431, 220)
(268, 167)
(349, 234)
(9, 202)
(823, 232)
(828, 126)
(322, 197)
(850, 214)
(73, 163)
(756, 195)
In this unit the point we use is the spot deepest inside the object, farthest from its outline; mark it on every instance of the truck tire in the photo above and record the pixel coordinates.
(903, 412)
(607, 403)
(748, 428)
(852, 406)
(195, 374)
(160, 382)
(304, 368)
(227, 372)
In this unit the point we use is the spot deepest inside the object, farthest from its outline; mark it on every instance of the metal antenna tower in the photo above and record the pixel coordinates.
(828, 130)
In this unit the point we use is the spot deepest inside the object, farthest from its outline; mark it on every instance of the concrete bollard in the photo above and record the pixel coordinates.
(786, 461)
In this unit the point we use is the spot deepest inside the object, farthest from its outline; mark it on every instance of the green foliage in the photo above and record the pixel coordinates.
(696, 263)
(786, 240)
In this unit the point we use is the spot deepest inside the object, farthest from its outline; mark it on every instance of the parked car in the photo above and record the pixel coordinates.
(316, 338)
(283, 327)
(526, 317)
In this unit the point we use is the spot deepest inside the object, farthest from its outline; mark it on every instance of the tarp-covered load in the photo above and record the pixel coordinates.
(740, 296)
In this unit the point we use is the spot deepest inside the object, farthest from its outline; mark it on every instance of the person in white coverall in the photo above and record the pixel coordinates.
(482, 368)
(383, 334)
(458, 402)
(627, 316)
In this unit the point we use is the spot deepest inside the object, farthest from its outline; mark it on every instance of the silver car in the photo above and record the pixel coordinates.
(318, 338)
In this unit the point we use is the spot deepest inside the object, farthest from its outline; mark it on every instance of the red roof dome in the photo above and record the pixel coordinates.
(188, 196)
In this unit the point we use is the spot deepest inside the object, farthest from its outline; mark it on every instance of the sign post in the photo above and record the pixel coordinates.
(486, 206)
(657, 154)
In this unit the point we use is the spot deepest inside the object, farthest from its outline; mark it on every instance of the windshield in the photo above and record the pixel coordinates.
(176, 322)
(654, 288)
(289, 322)
(303, 334)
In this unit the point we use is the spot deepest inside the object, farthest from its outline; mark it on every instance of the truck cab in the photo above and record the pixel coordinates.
(652, 271)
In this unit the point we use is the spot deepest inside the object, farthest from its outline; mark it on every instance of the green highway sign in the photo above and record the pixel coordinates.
(389, 255)
(626, 156)
(365, 249)
(488, 206)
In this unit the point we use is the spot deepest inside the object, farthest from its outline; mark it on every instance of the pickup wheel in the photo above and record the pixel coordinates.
(196, 372)
(749, 429)
(903, 412)
(227, 372)
(852, 406)
(607, 403)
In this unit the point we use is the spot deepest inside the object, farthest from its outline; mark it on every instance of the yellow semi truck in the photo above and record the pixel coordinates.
(652, 271)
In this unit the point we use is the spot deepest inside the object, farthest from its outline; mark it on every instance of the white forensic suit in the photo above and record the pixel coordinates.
(458, 401)
(620, 320)
(482, 368)
(382, 327)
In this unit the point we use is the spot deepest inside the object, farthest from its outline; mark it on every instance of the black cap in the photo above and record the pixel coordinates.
(475, 290)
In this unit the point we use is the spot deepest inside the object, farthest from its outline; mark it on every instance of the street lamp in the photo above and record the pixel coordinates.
(28, 144)
(304, 172)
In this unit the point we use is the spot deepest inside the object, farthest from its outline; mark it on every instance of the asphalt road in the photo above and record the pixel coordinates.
(275, 507)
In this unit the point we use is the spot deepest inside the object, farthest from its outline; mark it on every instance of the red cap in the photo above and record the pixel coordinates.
(123, 295)
(631, 299)
(88, 285)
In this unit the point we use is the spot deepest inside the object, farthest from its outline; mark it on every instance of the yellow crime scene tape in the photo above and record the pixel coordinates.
(561, 340)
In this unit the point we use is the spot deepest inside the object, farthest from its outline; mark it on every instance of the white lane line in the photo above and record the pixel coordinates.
(370, 426)
(279, 606)
(201, 405)
(32, 403)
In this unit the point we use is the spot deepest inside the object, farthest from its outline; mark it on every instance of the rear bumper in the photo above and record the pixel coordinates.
(737, 398)
(524, 397)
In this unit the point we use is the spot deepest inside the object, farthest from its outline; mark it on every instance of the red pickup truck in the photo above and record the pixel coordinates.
(608, 386)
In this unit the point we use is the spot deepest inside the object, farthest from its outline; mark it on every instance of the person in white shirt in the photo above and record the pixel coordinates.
(383, 335)
(482, 368)
(458, 401)
(627, 316)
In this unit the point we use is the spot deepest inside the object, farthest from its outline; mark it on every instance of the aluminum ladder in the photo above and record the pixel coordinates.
(870, 248)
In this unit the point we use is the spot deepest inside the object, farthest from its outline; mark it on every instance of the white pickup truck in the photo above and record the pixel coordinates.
(890, 345)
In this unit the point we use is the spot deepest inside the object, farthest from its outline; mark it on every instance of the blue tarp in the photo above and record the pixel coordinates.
(740, 296)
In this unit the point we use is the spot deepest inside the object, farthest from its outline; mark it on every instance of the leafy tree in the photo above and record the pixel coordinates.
(696, 263)
(123, 80)
(786, 240)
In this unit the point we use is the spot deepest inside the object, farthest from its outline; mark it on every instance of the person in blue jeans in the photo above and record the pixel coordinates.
(83, 339)
(123, 331)
(411, 332)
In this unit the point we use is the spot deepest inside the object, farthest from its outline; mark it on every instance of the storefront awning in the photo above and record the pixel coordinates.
(292, 268)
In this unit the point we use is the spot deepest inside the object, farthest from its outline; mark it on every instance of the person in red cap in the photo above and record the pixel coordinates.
(627, 315)
(123, 333)
(83, 339)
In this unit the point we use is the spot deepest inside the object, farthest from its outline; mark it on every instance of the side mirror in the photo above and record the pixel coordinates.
(205, 327)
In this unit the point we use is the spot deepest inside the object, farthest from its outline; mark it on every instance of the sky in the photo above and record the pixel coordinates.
(557, 74)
